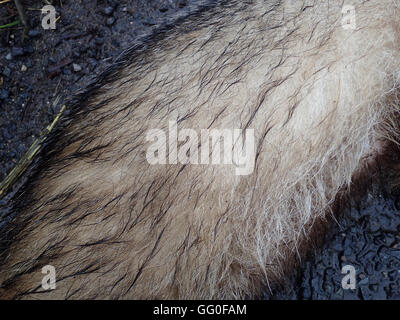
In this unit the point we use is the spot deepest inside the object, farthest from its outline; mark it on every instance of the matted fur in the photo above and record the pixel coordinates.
(322, 100)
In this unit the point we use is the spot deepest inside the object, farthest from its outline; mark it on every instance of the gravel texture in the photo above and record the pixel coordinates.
(38, 65)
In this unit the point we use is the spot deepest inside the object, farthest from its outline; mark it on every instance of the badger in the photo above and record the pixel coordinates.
(201, 164)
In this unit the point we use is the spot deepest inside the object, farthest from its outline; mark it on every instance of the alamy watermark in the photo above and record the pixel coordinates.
(49, 280)
(49, 20)
(228, 147)
(349, 17)
(349, 280)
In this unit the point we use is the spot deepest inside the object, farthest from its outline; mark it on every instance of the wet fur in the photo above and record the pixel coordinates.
(322, 100)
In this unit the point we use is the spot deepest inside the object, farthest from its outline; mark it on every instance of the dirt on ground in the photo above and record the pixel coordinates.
(38, 67)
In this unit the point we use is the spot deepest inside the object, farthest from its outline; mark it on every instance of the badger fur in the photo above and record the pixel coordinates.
(321, 98)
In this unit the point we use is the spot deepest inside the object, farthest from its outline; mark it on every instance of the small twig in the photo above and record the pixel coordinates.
(4, 1)
(21, 12)
(12, 24)
(28, 157)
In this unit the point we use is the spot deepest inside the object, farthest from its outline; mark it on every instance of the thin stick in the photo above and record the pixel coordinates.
(21, 12)
(9, 25)
(28, 157)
